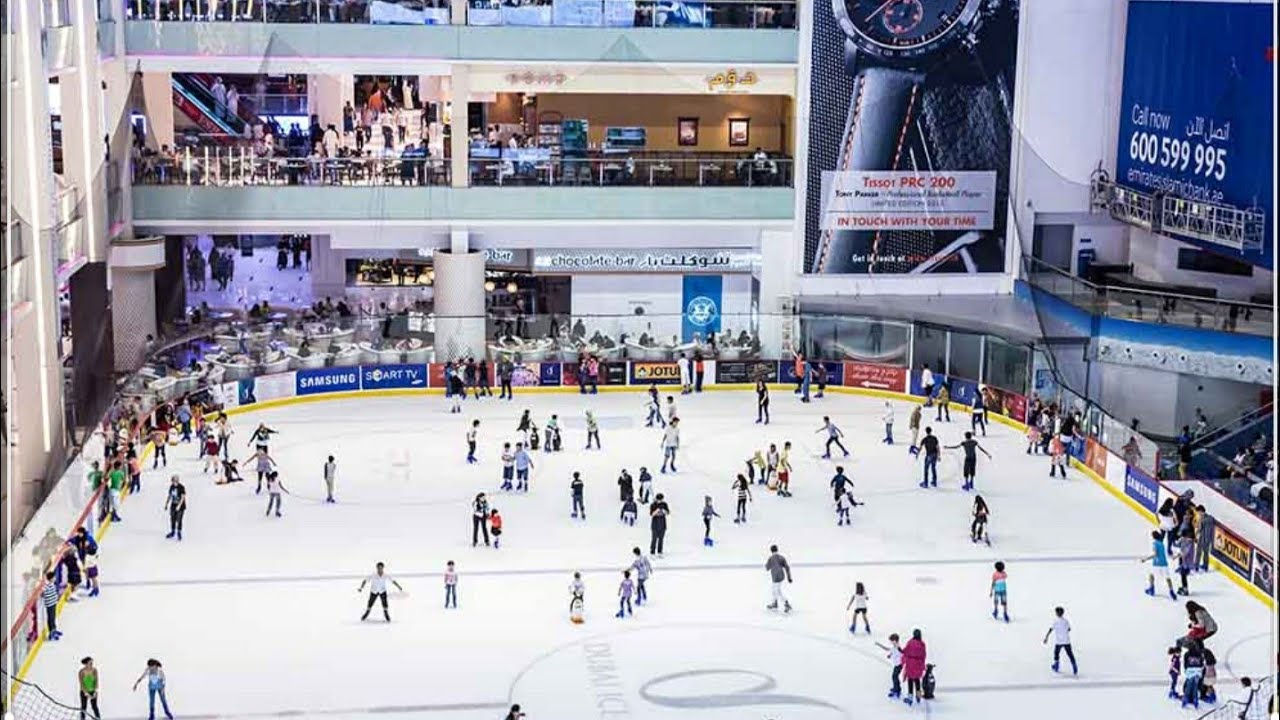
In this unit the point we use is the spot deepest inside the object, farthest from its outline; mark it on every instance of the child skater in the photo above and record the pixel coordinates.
(377, 583)
(833, 437)
(771, 464)
(495, 527)
(887, 416)
(742, 491)
(211, 459)
(654, 408)
(999, 591)
(471, 442)
(784, 471)
(754, 463)
(1159, 559)
(576, 487)
(625, 588)
(577, 599)
(628, 514)
(593, 430)
(646, 485)
(859, 604)
(1033, 439)
(981, 512)
(708, 512)
(275, 490)
(979, 413)
(450, 586)
(1057, 457)
(264, 464)
(844, 503)
(508, 466)
(894, 652)
(1175, 671)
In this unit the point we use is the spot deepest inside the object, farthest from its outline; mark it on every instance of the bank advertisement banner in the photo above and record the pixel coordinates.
(875, 376)
(327, 380)
(658, 373)
(1141, 488)
(910, 136)
(1196, 109)
(385, 377)
(274, 387)
(703, 295)
(1232, 551)
(548, 374)
(746, 371)
(1264, 570)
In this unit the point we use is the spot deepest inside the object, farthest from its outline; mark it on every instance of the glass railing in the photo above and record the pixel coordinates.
(231, 167)
(1149, 306)
(564, 13)
(675, 170)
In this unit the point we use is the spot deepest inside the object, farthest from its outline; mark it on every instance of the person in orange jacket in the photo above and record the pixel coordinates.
(495, 527)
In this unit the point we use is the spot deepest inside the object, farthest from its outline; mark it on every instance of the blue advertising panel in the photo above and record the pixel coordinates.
(380, 377)
(549, 374)
(834, 368)
(1141, 488)
(703, 295)
(1196, 109)
(327, 380)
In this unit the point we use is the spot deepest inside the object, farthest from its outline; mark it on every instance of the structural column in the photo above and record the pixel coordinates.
(133, 296)
(157, 95)
(459, 142)
(459, 302)
(778, 252)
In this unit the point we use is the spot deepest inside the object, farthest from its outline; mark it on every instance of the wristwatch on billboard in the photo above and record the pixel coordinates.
(891, 46)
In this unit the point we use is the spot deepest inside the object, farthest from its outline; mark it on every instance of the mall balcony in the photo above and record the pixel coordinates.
(163, 32)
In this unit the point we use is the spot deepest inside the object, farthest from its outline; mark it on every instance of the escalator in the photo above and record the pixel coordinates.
(192, 96)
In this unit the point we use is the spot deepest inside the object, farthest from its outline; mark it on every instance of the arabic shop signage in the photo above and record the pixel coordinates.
(732, 81)
(493, 257)
(681, 260)
(540, 78)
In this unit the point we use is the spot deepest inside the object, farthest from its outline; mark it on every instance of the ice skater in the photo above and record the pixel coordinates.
(979, 413)
(49, 599)
(577, 599)
(859, 605)
(844, 504)
(472, 433)
(999, 592)
(658, 512)
(261, 436)
(970, 447)
(525, 424)
(154, 675)
(1184, 548)
(377, 584)
(1193, 669)
(686, 383)
(552, 434)
(887, 416)
(1159, 559)
(708, 512)
(1057, 457)
(629, 511)
(275, 493)
(756, 464)
(87, 679)
(654, 410)
(626, 487)
(978, 528)
(523, 462)
(450, 586)
(643, 570)
(931, 452)
(771, 465)
(646, 485)
(670, 444)
(625, 589)
(915, 657)
(175, 502)
(778, 570)
(762, 402)
(1175, 671)
(1061, 633)
(913, 424)
(210, 452)
(263, 463)
(671, 409)
(839, 483)
(943, 402)
(330, 473)
(575, 489)
(508, 466)
(742, 491)
(495, 527)
(479, 519)
(893, 651)
(593, 430)
(833, 437)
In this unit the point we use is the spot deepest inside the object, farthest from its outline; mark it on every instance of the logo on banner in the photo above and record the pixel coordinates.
(875, 377)
(394, 376)
(1233, 551)
(1141, 489)
(702, 311)
(312, 382)
(662, 373)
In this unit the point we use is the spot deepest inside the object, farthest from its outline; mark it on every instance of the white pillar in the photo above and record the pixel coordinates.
(325, 97)
(83, 146)
(157, 95)
(133, 296)
(777, 281)
(459, 142)
(459, 305)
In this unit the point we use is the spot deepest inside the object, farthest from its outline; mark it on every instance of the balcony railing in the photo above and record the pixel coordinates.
(625, 171)
(215, 167)
(1148, 306)
(563, 13)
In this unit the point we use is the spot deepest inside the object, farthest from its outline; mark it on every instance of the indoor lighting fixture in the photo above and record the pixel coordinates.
(512, 288)
(431, 275)
(489, 286)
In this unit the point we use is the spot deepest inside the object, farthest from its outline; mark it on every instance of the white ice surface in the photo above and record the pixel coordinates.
(258, 616)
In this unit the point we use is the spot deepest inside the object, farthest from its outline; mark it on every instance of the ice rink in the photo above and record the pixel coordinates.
(258, 616)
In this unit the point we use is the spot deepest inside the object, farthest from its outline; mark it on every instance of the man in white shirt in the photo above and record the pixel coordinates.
(219, 92)
(683, 363)
(670, 442)
(1061, 632)
(377, 583)
(330, 476)
(926, 382)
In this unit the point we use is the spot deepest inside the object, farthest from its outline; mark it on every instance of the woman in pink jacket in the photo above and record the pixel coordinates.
(913, 661)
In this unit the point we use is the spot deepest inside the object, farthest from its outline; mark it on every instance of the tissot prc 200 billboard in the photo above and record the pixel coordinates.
(911, 106)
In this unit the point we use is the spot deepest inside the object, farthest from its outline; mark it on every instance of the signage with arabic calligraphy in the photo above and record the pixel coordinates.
(732, 80)
(539, 77)
(683, 260)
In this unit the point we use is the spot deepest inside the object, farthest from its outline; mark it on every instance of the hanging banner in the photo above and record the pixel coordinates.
(1196, 109)
(910, 173)
(703, 295)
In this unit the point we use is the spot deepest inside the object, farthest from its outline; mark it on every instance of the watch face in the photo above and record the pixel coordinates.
(903, 28)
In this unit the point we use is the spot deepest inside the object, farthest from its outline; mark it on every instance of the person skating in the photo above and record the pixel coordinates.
(49, 599)
(1159, 559)
(577, 598)
(844, 503)
(658, 512)
(175, 502)
(330, 473)
(784, 471)
(771, 465)
(999, 592)
(263, 463)
(978, 412)
(1175, 672)
(931, 452)
(629, 512)
(914, 662)
(762, 402)
(643, 571)
(646, 485)
(778, 570)
(479, 519)
(833, 437)
(944, 405)
(593, 430)
(626, 487)
(472, 434)
(523, 462)
(742, 492)
(670, 444)
(1185, 549)
(1061, 632)
(858, 603)
(514, 713)
(1192, 674)
(506, 369)
(508, 466)
(625, 589)
(708, 512)
(886, 415)
(981, 513)
(686, 384)
(893, 651)
(756, 464)
(450, 586)
(377, 584)
(261, 436)
(838, 483)
(552, 439)
(970, 448)
(87, 681)
(913, 424)
(495, 527)
(576, 487)
(154, 675)
(275, 493)
(655, 412)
